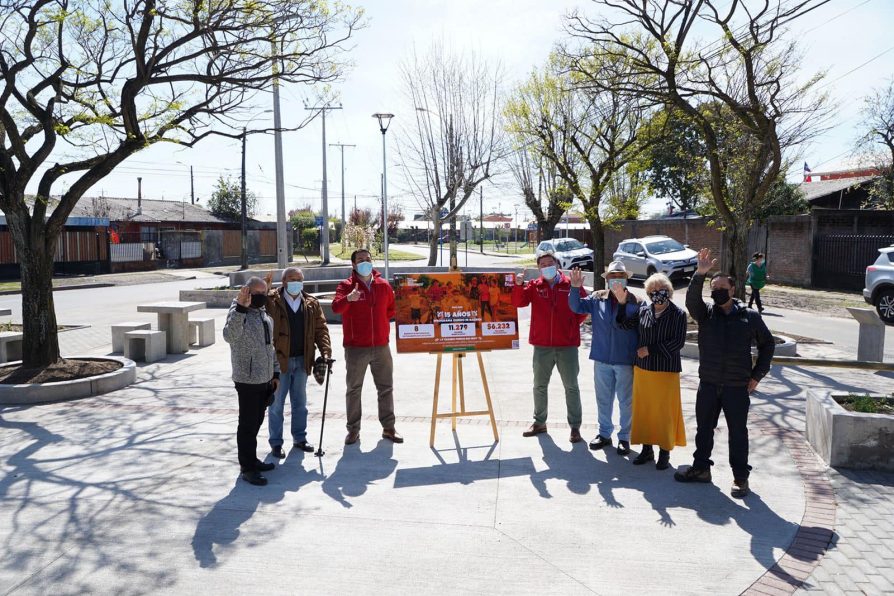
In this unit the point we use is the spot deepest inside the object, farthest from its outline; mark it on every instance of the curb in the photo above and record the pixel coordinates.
(42, 393)
(62, 288)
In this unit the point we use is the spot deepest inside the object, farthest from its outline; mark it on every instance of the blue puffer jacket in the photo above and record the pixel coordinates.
(610, 343)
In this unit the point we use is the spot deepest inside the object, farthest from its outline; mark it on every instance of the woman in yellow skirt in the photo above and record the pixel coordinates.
(657, 412)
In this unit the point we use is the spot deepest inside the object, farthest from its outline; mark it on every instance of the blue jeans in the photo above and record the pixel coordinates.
(294, 383)
(612, 380)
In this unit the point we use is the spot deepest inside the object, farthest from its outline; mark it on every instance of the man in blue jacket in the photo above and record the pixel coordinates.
(613, 351)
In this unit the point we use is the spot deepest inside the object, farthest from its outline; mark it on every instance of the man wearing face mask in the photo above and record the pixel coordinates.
(249, 331)
(726, 330)
(612, 350)
(365, 302)
(299, 326)
(555, 335)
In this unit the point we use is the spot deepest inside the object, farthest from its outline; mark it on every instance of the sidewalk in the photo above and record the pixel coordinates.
(137, 492)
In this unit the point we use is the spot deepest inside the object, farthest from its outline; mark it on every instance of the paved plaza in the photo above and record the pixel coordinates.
(137, 492)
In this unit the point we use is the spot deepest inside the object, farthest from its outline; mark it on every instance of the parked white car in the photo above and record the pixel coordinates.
(568, 253)
(656, 254)
(879, 290)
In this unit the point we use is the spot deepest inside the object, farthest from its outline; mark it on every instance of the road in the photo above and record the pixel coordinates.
(469, 260)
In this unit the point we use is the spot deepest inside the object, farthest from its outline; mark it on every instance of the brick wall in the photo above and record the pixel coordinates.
(789, 258)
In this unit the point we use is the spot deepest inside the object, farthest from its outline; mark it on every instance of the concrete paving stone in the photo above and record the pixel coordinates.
(879, 582)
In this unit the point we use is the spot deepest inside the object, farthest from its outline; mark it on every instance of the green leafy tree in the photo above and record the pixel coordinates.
(226, 200)
(88, 83)
(876, 144)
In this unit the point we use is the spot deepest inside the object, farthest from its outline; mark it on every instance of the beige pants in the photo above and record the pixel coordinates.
(378, 360)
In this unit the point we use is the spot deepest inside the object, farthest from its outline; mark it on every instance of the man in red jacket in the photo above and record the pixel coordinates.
(555, 335)
(365, 302)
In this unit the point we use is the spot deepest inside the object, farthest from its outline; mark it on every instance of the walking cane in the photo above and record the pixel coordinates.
(319, 452)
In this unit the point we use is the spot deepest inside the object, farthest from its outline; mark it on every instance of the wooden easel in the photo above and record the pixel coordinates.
(459, 383)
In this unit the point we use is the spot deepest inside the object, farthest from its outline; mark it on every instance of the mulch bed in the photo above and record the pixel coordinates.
(63, 370)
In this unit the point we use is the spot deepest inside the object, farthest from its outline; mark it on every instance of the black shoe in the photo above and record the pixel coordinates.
(277, 452)
(623, 447)
(740, 488)
(254, 477)
(599, 442)
(693, 474)
(303, 446)
(646, 455)
(263, 466)
(663, 460)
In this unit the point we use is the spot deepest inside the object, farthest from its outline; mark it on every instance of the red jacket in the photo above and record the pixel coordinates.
(366, 322)
(553, 323)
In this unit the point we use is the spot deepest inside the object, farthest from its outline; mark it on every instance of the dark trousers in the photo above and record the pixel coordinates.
(733, 402)
(755, 297)
(252, 405)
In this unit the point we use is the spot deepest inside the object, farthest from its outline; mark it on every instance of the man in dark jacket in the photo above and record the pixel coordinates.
(555, 335)
(365, 302)
(726, 331)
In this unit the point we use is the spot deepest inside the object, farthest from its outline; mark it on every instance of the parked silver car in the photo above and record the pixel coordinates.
(879, 290)
(656, 254)
(568, 252)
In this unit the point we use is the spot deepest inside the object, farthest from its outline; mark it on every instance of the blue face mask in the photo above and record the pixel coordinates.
(549, 273)
(294, 287)
(364, 268)
(614, 283)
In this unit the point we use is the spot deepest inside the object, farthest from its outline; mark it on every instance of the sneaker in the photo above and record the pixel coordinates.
(277, 452)
(740, 488)
(254, 477)
(599, 442)
(693, 474)
(623, 447)
(264, 467)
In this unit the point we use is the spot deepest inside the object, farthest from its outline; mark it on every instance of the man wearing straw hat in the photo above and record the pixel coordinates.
(613, 351)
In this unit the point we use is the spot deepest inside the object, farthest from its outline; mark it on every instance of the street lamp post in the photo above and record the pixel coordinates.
(244, 252)
(384, 120)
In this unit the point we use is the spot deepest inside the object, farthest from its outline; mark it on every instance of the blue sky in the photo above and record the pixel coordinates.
(839, 38)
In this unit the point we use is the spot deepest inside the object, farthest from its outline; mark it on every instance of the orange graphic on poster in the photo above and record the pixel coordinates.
(455, 312)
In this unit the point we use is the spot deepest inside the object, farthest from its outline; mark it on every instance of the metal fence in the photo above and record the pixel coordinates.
(840, 260)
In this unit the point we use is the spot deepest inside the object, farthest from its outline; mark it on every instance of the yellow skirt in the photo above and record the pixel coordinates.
(657, 412)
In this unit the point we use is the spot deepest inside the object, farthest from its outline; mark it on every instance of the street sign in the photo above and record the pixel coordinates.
(318, 220)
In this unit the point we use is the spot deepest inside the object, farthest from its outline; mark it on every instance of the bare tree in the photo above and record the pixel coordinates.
(105, 80)
(541, 188)
(876, 143)
(456, 138)
(748, 79)
(588, 134)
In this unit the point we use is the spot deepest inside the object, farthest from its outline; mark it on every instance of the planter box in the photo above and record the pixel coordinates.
(788, 347)
(849, 439)
(211, 298)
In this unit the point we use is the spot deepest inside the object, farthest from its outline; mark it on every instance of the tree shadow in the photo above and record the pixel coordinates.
(221, 525)
(356, 470)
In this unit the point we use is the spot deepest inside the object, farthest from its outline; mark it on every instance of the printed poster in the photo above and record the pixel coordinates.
(455, 312)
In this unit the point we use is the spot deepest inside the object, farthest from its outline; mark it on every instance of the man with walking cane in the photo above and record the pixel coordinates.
(299, 326)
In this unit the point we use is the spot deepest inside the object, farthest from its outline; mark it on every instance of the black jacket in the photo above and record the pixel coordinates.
(724, 340)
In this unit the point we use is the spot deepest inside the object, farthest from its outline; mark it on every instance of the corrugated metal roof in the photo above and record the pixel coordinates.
(820, 188)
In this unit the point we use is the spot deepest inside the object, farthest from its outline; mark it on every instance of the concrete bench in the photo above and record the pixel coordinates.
(201, 332)
(119, 329)
(10, 346)
(145, 345)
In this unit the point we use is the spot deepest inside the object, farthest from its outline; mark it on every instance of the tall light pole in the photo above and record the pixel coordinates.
(324, 237)
(192, 186)
(243, 199)
(384, 120)
(283, 246)
(342, 147)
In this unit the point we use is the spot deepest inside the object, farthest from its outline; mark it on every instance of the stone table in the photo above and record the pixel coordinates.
(173, 319)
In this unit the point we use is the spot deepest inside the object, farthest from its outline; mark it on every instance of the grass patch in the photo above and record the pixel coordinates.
(10, 286)
(336, 250)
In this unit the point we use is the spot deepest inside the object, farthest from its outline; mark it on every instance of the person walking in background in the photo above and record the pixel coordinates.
(612, 350)
(727, 377)
(757, 279)
(365, 302)
(555, 335)
(299, 326)
(657, 411)
(249, 331)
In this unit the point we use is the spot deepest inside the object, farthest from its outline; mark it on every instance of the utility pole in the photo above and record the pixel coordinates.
(244, 253)
(324, 238)
(192, 187)
(342, 147)
(481, 220)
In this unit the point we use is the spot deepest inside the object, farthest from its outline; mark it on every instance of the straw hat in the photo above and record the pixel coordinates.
(616, 267)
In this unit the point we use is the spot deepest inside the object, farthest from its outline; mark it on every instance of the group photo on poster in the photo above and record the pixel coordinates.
(446, 312)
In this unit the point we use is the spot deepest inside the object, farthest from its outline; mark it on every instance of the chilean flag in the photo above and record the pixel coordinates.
(806, 172)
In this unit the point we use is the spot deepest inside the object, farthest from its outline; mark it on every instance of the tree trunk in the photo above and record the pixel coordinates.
(597, 231)
(433, 242)
(547, 229)
(737, 256)
(41, 341)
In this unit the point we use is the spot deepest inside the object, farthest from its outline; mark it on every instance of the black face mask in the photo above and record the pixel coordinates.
(720, 296)
(258, 300)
